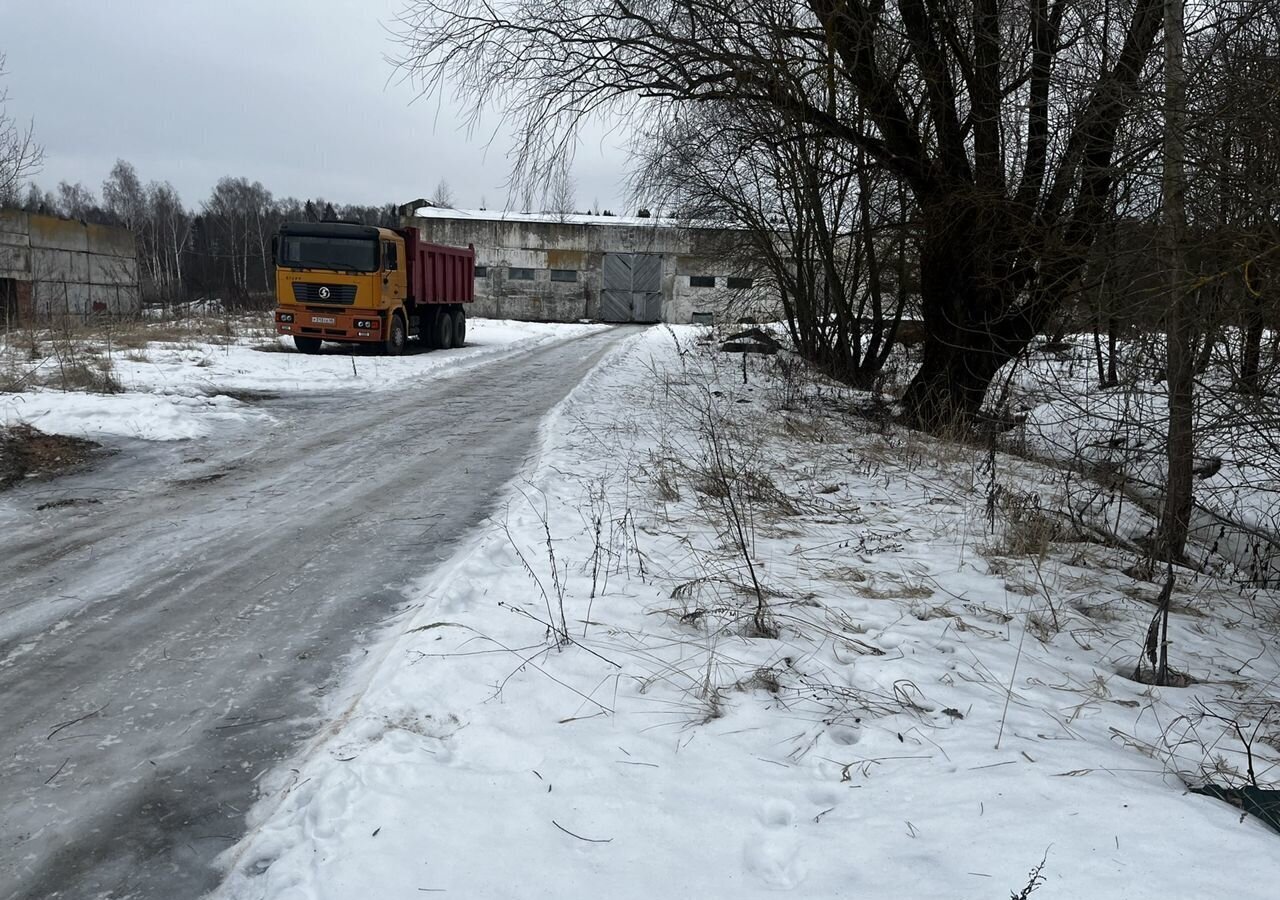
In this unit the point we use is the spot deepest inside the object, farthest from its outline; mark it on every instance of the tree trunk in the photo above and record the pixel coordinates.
(1251, 354)
(1113, 336)
(1175, 518)
(973, 324)
(948, 388)
(1097, 355)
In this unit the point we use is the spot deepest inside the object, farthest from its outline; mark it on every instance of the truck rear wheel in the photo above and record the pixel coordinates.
(444, 330)
(306, 345)
(426, 329)
(396, 336)
(459, 327)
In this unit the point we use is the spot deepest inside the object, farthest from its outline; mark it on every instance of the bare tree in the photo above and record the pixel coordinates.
(170, 232)
(809, 214)
(39, 201)
(561, 195)
(237, 215)
(442, 195)
(123, 196)
(20, 155)
(1002, 123)
(75, 201)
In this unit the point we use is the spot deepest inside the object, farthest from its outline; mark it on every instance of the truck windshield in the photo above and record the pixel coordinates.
(300, 251)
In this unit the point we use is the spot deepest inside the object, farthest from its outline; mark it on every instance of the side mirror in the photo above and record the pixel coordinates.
(275, 247)
(389, 260)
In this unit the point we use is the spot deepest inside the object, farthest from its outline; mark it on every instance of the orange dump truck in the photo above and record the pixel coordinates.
(337, 281)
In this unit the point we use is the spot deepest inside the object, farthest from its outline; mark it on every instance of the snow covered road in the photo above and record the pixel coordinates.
(171, 634)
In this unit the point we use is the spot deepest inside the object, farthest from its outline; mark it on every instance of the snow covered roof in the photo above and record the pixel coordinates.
(502, 215)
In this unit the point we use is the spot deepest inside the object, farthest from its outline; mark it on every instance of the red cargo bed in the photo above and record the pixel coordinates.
(439, 274)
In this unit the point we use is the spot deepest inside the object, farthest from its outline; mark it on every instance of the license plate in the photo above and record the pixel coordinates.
(321, 320)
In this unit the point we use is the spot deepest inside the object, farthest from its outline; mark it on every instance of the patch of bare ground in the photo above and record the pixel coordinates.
(27, 452)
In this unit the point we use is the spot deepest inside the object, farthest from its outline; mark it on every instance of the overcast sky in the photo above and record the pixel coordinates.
(293, 93)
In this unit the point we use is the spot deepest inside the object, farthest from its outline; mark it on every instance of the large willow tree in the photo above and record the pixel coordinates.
(1000, 117)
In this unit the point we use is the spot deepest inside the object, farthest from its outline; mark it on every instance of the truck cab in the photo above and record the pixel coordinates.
(346, 282)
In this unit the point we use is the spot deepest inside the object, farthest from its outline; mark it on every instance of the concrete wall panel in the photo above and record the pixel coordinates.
(566, 259)
(14, 221)
(15, 262)
(111, 241)
(59, 265)
(59, 234)
(14, 239)
(60, 298)
(113, 270)
(63, 257)
(105, 298)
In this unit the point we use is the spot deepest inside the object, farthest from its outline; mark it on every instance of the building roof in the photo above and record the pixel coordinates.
(502, 215)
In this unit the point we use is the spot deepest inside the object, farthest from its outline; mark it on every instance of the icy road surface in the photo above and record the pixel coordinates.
(162, 647)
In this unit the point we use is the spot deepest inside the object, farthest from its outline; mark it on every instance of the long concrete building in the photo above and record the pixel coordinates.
(55, 267)
(563, 268)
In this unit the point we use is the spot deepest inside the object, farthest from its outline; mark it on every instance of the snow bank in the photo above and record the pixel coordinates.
(150, 417)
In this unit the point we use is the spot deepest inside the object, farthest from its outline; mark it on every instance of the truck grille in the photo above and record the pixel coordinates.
(304, 292)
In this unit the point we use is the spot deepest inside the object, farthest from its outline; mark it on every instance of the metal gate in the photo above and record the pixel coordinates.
(632, 289)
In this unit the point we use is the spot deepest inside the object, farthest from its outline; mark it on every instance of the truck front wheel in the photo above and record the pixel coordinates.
(459, 327)
(396, 336)
(307, 345)
(444, 330)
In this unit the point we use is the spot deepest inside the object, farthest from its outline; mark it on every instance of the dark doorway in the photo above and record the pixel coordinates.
(8, 303)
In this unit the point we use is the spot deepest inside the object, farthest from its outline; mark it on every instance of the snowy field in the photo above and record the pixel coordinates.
(730, 640)
(174, 389)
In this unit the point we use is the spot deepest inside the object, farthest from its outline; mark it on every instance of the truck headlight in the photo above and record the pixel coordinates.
(285, 317)
(366, 323)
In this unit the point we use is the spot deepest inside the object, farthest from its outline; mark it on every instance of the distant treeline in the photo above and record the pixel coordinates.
(220, 249)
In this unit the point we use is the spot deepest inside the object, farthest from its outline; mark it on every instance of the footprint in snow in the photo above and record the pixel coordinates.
(775, 861)
(843, 736)
(777, 814)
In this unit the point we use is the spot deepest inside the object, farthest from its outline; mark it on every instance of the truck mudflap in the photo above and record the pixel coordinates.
(335, 325)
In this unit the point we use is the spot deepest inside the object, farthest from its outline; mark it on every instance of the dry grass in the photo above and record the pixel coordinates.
(13, 377)
(894, 590)
(136, 334)
(75, 354)
(750, 484)
(1043, 628)
(1025, 529)
(90, 374)
(925, 611)
(665, 478)
(1103, 612)
(70, 370)
(847, 574)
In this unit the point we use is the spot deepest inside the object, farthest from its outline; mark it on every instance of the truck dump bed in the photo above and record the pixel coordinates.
(436, 273)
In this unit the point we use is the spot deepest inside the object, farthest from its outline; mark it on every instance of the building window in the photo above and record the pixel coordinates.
(564, 274)
(702, 281)
(482, 271)
(739, 283)
(515, 274)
